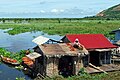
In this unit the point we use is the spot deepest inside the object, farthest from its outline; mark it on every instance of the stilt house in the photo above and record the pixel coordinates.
(116, 33)
(98, 45)
(60, 59)
(64, 59)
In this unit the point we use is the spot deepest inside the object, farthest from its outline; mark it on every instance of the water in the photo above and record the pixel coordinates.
(16, 43)
(9, 73)
(21, 41)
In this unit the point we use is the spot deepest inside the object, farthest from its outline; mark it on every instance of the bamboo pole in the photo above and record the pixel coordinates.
(98, 68)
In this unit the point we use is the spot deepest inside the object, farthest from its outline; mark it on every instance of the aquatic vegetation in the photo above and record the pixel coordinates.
(17, 56)
(4, 52)
(21, 78)
(64, 26)
(19, 67)
(0, 72)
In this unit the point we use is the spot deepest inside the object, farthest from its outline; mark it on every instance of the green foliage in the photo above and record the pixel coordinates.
(18, 56)
(5, 52)
(81, 76)
(59, 77)
(21, 78)
(112, 13)
(66, 26)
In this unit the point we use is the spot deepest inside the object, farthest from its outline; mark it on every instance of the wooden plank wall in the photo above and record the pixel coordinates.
(78, 64)
(52, 66)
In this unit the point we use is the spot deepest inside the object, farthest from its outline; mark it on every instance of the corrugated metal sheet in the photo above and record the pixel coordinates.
(40, 40)
(59, 49)
(91, 41)
(118, 42)
(113, 32)
(33, 55)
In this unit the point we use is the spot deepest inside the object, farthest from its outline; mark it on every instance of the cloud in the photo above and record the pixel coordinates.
(61, 10)
(57, 10)
(42, 11)
(54, 10)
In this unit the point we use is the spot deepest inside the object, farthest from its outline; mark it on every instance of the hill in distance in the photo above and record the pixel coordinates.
(113, 12)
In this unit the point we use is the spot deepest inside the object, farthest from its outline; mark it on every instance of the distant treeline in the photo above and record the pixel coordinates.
(87, 18)
(28, 20)
(40, 18)
(102, 18)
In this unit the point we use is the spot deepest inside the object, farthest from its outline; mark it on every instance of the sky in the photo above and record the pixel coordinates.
(54, 8)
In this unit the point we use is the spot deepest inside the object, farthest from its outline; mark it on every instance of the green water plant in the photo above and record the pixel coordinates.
(20, 78)
(66, 26)
(17, 56)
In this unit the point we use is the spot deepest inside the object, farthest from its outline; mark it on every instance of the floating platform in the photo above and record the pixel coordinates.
(104, 68)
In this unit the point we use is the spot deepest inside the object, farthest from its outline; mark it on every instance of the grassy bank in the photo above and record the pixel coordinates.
(110, 76)
(63, 26)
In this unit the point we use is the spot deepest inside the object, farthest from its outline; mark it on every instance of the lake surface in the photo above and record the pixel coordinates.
(9, 73)
(21, 41)
(16, 43)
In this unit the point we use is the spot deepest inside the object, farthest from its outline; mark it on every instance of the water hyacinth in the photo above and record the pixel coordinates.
(17, 56)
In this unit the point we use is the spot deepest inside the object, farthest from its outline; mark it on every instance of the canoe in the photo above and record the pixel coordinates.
(9, 61)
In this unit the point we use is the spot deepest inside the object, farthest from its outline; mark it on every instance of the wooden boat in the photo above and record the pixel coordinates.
(27, 61)
(10, 61)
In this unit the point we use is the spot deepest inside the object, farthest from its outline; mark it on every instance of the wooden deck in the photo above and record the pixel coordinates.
(106, 67)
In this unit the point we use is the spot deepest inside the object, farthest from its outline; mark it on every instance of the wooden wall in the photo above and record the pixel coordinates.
(52, 66)
(78, 64)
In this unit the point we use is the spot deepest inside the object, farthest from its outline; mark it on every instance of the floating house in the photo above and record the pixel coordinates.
(98, 45)
(60, 59)
(117, 36)
(66, 60)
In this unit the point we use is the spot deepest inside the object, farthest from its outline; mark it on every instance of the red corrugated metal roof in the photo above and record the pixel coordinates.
(91, 41)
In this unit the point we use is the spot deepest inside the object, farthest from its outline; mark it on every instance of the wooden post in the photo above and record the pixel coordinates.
(100, 58)
(53, 64)
(110, 56)
(105, 57)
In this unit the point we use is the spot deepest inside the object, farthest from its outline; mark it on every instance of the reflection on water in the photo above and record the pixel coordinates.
(9, 73)
(15, 43)
(21, 41)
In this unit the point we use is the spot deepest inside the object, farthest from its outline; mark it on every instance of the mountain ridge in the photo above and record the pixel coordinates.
(112, 12)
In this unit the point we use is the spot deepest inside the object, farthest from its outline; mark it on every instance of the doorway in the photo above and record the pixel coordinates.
(66, 66)
(94, 58)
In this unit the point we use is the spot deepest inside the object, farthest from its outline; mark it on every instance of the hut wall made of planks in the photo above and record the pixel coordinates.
(78, 64)
(52, 66)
